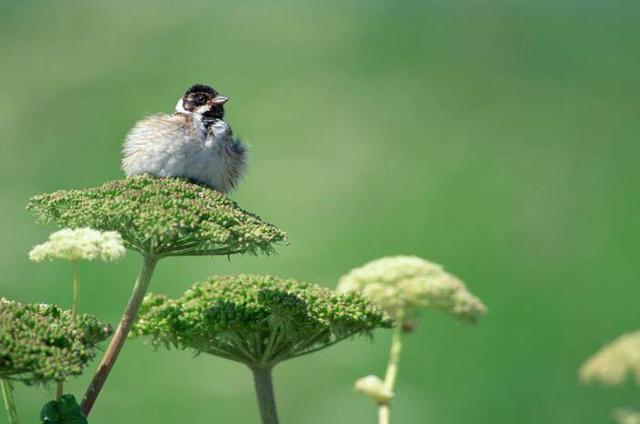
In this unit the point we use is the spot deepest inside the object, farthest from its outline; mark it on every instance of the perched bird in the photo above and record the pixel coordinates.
(193, 143)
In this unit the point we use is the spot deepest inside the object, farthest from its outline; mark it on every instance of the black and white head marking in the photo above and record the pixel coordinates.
(202, 100)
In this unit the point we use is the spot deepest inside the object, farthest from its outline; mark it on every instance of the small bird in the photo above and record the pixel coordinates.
(193, 143)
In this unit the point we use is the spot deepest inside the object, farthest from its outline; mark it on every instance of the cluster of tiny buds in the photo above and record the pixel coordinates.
(80, 244)
(161, 217)
(615, 361)
(405, 284)
(626, 416)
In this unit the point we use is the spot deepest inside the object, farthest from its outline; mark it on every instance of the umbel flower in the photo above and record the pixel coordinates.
(402, 285)
(43, 343)
(258, 321)
(161, 217)
(80, 244)
(74, 245)
(615, 361)
(158, 217)
(407, 283)
(613, 364)
(626, 416)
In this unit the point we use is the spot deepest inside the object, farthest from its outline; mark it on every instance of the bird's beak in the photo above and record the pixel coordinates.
(220, 100)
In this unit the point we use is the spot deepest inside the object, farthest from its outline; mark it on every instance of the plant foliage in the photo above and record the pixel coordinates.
(63, 411)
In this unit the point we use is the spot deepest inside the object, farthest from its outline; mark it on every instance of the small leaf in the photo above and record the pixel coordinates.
(63, 411)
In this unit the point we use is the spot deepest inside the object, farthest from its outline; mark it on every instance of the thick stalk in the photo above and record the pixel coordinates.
(264, 392)
(384, 408)
(9, 402)
(120, 335)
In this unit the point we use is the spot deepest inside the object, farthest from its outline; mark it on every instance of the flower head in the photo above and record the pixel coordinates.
(256, 320)
(43, 343)
(615, 361)
(162, 217)
(407, 283)
(81, 243)
(626, 416)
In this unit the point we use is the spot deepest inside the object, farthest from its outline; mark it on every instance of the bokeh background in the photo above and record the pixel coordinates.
(499, 138)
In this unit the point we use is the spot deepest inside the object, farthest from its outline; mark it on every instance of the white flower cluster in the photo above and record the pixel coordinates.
(626, 416)
(408, 282)
(614, 361)
(81, 243)
(374, 387)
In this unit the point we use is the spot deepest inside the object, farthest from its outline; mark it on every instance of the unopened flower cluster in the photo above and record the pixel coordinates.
(256, 320)
(407, 283)
(161, 216)
(81, 243)
(615, 361)
(42, 343)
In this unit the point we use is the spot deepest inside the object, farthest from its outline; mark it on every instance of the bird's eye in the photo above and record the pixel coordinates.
(200, 98)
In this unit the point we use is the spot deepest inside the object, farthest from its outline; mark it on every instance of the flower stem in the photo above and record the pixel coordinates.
(264, 392)
(59, 390)
(384, 408)
(9, 402)
(74, 312)
(76, 289)
(120, 335)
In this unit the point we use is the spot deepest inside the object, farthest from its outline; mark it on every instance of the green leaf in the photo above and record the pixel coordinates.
(63, 411)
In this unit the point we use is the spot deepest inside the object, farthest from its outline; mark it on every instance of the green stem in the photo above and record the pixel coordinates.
(9, 402)
(74, 312)
(59, 390)
(120, 335)
(264, 392)
(76, 289)
(384, 408)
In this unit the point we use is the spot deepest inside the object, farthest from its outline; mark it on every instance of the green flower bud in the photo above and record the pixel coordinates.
(43, 343)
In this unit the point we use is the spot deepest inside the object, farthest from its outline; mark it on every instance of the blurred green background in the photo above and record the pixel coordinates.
(499, 138)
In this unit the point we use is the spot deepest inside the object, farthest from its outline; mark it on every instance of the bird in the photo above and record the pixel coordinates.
(194, 143)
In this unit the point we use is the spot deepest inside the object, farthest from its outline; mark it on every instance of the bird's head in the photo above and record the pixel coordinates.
(202, 100)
